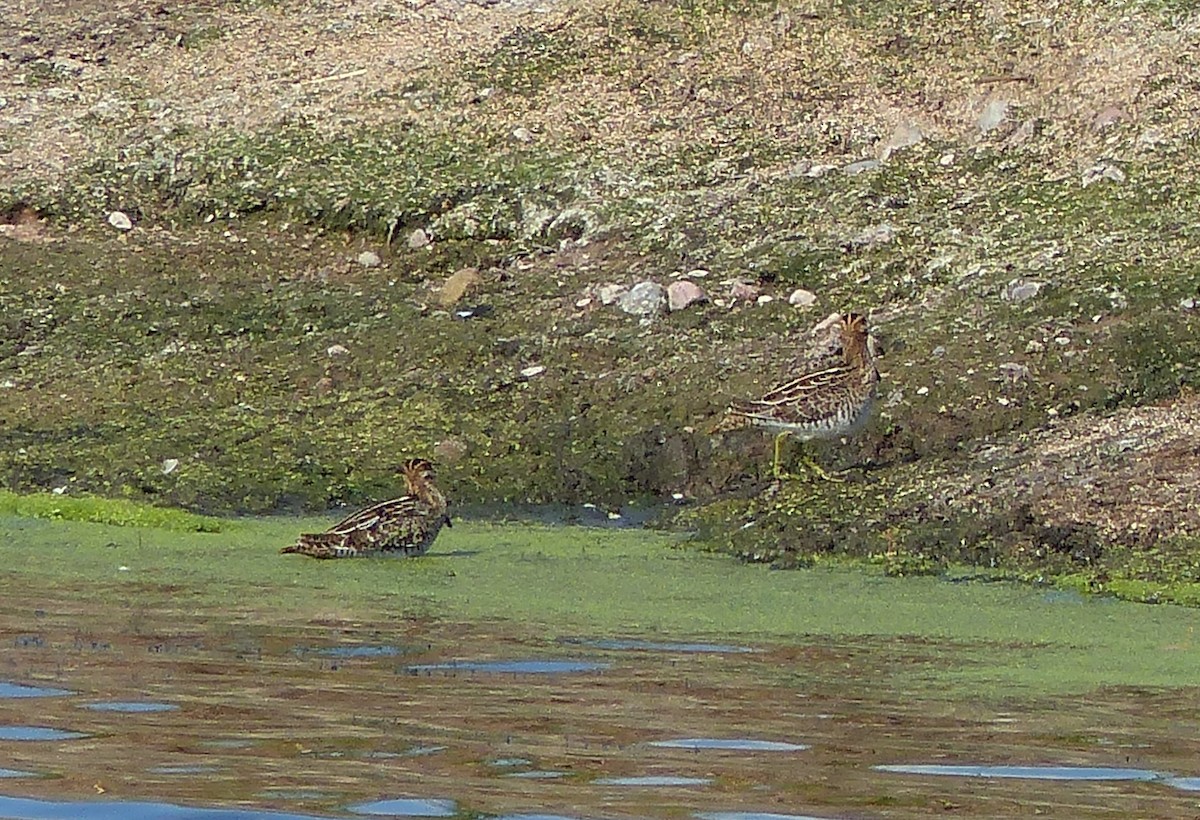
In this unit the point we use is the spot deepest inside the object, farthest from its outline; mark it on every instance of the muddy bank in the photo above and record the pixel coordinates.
(234, 284)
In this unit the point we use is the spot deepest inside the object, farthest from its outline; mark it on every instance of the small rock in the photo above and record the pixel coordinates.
(8, 384)
(946, 159)
(827, 325)
(905, 135)
(1147, 140)
(816, 171)
(584, 302)
(856, 168)
(1187, 304)
(922, 391)
(522, 134)
(449, 450)
(170, 465)
(696, 273)
(456, 286)
(530, 372)
(764, 299)
(644, 299)
(1062, 341)
(743, 292)
(1110, 115)
(1102, 171)
(369, 259)
(609, 294)
(683, 293)
(802, 298)
(59, 490)
(1027, 130)
(1014, 371)
(66, 66)
(337, 350)
(874, 235)
(993, 116)
(474, 312)
(418, 239)
(939, 352)
(120, 221)
(757, 44)
(1018, 290)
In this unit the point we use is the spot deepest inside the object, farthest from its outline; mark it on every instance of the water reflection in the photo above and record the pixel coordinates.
(513, 667)
(23, 808)
(20, 690)
(407, 807)
(130, 706)
(1027, 772)
(37, 733)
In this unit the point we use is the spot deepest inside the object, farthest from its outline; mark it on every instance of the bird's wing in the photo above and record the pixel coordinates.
(801, 399)
(384, 511)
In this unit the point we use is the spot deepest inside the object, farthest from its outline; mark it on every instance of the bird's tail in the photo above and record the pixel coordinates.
(322, 545)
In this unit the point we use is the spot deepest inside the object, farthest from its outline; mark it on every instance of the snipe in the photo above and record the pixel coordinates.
(406, 525)
(825, 403)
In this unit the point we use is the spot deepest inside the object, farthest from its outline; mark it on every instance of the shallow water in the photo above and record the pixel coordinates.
(322, 708)
(16, 773)
(1027, 772)
(18, 690)
(17, 808)
(407, 807)
(537, 774)
(184, 769)
(130, 706)
(354, 651)
(37, 733)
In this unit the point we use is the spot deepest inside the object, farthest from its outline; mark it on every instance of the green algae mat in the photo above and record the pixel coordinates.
(528, 669)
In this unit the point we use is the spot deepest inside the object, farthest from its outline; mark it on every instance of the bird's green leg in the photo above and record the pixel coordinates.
(819, 470)
(776, 469)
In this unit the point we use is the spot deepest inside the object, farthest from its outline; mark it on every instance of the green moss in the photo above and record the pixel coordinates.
(561, 581)
(115, 512)
(528, 60)
(201, 35)
(380, 181)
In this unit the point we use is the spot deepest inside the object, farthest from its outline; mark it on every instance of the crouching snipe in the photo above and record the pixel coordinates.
(406, 525)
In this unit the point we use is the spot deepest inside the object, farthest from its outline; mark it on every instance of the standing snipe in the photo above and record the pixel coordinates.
(406, 525)
(824, 403)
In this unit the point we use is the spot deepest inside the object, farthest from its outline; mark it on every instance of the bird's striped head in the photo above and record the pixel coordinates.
(855, 337)
(418, 469)
(854, 324)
